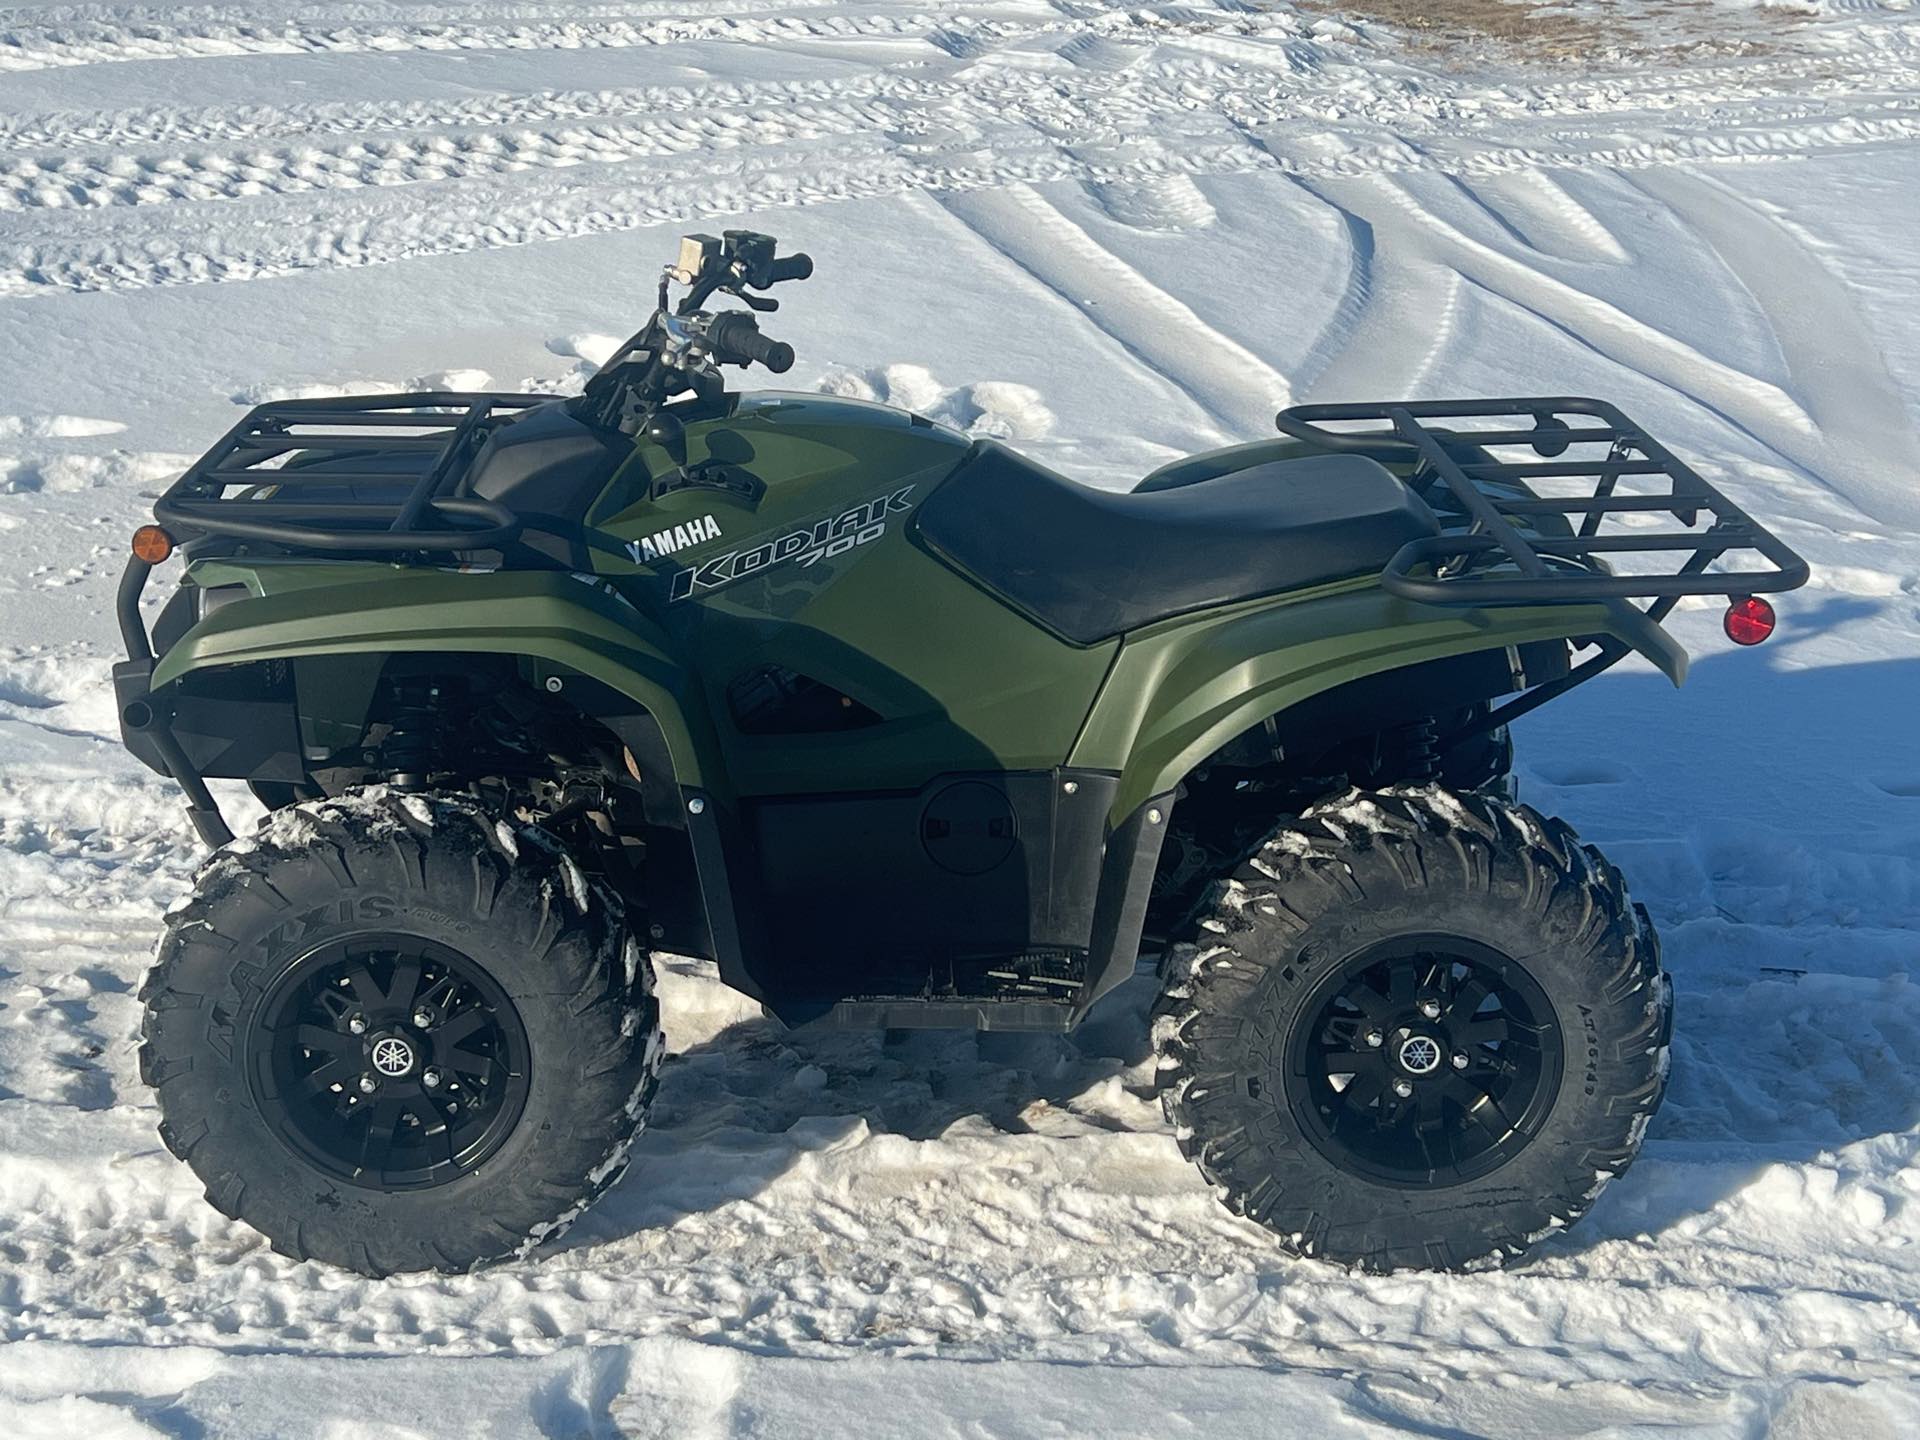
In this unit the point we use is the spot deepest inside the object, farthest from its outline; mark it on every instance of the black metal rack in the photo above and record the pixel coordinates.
(437, 431)
(1512, 553)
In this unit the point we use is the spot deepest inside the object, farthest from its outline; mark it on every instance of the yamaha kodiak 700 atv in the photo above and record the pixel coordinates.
(899, 729)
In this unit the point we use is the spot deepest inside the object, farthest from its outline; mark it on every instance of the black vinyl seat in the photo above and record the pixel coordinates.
(1090, 564)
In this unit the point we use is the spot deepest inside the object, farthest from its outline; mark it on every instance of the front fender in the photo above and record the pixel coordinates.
(1181, 690)
(546, 616)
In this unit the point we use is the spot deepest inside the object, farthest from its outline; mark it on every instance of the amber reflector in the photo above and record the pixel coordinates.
(152, 544)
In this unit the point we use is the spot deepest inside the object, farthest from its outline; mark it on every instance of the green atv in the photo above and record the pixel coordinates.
(899, 729)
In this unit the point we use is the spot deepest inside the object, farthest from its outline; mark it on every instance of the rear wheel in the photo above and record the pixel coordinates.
(1416, 1029)
(392, 1033)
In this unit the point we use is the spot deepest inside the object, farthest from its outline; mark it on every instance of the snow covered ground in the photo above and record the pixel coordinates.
(1114, 234)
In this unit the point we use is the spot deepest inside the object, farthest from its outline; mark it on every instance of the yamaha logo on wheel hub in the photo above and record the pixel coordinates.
(1420, 1055)
(392, 1056)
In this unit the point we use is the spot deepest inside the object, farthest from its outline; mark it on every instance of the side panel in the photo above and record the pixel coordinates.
(1180, 691)
(934, 891)
(544, 615)
(794, 556)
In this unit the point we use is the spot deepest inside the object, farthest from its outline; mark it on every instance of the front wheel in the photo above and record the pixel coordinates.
(1416, 1030)
(393, 1033)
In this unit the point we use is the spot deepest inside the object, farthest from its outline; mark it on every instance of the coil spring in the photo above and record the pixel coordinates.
(1422, 761)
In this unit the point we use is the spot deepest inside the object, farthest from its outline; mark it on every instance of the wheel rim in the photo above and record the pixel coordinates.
(1427, 1060)
(390, 1062)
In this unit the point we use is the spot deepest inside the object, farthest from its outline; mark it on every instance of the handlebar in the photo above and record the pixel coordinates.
(793, 267)
(681, 346)
(735, 338)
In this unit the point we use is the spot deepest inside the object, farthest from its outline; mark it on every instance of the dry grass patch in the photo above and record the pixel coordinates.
(1615, 28)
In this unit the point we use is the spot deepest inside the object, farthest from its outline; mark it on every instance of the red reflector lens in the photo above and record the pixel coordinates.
(152, 544)
(1749, 621)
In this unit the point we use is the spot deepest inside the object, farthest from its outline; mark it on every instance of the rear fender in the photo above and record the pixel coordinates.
(557, 621)
(1181, 690)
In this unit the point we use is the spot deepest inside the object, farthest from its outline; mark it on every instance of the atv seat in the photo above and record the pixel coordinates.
(1090, 564)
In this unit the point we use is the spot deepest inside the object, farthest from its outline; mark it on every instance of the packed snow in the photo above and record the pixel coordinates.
(1112, 235)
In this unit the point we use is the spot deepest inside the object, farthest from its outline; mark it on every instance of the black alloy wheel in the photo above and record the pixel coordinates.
(1424, 1060)
(389, 1061)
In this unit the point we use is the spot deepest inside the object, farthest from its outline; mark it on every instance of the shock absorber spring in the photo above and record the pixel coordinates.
(1423, 750)
(410, 746)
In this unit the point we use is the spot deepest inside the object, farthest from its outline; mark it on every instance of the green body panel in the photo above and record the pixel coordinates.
(812, 452)
(959, 681)
(1182, 689)
(550, 618)
(845, 596)
(284, 576)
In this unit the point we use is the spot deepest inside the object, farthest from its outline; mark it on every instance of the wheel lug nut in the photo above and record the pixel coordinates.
(422, 1018)
(358, 1025)
(1376, 1039)
(1460, 1061)
(1430, 1009)
(1403, 1088)
(368, 1084)
(430, 1079)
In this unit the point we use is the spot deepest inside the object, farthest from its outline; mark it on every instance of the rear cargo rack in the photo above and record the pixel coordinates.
(1513, 552)
(221, 493)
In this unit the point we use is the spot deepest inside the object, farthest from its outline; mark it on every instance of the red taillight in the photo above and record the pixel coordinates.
(1749, 621)
(152, 544)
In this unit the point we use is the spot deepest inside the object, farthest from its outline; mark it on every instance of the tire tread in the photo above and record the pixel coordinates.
(1205, 1007)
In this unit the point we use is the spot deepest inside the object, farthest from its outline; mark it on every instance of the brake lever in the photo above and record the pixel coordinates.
(757, 302)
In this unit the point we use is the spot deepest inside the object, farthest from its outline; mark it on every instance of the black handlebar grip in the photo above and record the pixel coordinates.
(736, 340)
(793, 267)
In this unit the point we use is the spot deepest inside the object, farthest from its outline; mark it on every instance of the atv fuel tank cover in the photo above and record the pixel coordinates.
(968, 828)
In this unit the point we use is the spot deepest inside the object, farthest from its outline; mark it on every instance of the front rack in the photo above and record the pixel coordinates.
(1524, 547)
(435, 432)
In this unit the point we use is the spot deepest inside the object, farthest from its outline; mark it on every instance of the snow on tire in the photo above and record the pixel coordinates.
(1415, 1030)
(393, 1033)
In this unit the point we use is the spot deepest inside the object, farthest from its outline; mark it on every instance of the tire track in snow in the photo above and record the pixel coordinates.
(1245, 90)
(137, 180)
(1536, 210)
(108, 43)
(496, 208)
(1238, 389)
(1213, 103)
(253, 124)
(1637, 344)
(1866, 446)
(1849, 430)
(349, 12)
(1368, 345)
(365, 226)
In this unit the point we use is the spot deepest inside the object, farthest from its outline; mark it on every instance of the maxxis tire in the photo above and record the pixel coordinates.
(441, 868)
(1360, 870)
